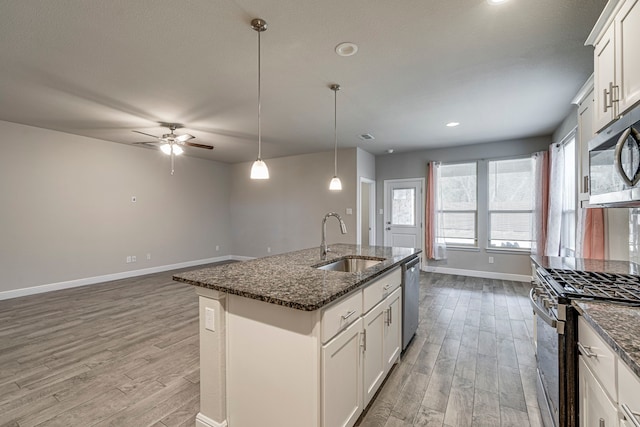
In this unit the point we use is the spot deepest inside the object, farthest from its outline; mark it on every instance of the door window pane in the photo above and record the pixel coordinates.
(403, 206)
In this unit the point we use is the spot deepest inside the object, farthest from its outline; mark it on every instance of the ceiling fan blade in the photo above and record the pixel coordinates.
(143, 142)
(193, 144)
(185, 137)
(147, 134)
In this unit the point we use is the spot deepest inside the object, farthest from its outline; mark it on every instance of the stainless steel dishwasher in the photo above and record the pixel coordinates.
(410, 299)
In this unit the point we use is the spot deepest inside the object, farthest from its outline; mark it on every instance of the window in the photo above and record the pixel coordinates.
(568, 226)
(510, 203)
(457, 190)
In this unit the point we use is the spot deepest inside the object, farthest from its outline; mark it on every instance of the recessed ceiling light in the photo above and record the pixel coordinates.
(390, 150)
(452, 124)
(346, 49)
(496, 1)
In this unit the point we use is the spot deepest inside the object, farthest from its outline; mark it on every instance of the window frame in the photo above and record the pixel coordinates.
(488, 246)
(473, 245)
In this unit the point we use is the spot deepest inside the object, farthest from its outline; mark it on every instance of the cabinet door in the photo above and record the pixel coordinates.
(595, 407)
(585, 133)
(342, 378)
(374, 355)
(627, 23)
(604, 76)
(393, 329)
(629, 390)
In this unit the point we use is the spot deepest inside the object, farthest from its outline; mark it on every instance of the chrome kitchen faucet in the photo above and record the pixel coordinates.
(323, 246)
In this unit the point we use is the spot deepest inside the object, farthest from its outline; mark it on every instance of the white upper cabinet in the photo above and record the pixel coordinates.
(616, 61)
(627, 24)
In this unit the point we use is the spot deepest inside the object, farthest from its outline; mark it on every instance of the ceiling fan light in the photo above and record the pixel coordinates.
(335, 184)
(259, 170)
(166, 149)
(177, 150)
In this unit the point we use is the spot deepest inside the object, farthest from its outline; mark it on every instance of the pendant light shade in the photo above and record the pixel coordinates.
(259, 168)
(335, 184)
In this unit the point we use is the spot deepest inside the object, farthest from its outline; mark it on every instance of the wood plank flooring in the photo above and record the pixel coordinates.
(125, 353)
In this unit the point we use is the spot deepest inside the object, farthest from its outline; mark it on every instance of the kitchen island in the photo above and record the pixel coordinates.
(284, 343)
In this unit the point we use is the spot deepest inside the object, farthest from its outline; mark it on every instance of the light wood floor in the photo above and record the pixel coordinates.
(125, 353)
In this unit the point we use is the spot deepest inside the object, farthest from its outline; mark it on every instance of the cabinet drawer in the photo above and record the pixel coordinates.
(628, 391)
(598, 356)
(380, 289)
(341, 314)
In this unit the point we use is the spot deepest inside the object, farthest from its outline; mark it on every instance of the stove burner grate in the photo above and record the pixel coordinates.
(606, 286)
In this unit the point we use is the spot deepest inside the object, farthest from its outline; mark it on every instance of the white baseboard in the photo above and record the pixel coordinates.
(241, 258)
(15, 293)
(204, 421)
(478, 273)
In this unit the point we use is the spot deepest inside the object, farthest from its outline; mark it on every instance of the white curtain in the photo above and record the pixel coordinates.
(556, 189)
(436, 247)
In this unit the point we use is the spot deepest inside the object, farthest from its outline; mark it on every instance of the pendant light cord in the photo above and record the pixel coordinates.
(259, 102)
(335, 132)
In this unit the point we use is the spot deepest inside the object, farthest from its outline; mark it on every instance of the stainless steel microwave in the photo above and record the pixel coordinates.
(614, 163)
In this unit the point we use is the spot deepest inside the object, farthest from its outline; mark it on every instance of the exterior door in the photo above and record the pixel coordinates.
(403, 216)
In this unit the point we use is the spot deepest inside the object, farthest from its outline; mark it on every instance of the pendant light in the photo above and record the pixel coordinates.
(335, 184)
(259, 168)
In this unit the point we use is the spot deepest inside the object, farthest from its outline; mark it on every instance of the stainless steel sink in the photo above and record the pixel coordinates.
(351, 264)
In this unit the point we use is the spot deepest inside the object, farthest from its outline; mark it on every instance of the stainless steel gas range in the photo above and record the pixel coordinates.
(556, 332)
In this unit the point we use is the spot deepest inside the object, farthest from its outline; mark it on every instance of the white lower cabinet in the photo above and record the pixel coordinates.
(342, 378)
(596, 409)
(629, 396)
(382, 343)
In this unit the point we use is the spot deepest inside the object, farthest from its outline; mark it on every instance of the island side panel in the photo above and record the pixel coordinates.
(213, 403)
(273, 368)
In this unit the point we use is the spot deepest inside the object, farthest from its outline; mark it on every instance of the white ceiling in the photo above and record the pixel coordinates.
(104, 68)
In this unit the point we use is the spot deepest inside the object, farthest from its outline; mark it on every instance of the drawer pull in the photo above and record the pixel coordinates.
(349, 314)
(630, 415)
(586, 351)
(602, 422)
(387, 286)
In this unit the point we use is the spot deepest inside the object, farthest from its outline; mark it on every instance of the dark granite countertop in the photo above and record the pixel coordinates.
(290, 279)
(584, 264)
(618, 325)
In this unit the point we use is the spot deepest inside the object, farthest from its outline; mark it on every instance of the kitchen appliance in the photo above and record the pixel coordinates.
(410, 299)
(614, 163)
(556, 333)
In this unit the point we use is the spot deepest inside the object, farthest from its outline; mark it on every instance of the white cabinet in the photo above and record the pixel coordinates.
(596, 409)
(627, 25)
(617, 63)
(604, 59)
(585, 134)
(342, 401)
(629, 395)
(383, 328)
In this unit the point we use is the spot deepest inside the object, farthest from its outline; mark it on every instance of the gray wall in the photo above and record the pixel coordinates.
(285, 212)
(414, 165)
(67, 214)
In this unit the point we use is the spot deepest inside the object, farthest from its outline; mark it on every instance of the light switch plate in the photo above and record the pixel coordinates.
(349, 211)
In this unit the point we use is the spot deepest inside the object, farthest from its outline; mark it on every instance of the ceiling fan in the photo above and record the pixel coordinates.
(171, 144)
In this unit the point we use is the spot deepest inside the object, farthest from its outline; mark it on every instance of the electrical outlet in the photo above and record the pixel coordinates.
(128, 259)
(349, 211)
(217, 247)
(381, 212)
(148, 256)
(209, 319)
(268, 249)
(490, 260)
(133, 258)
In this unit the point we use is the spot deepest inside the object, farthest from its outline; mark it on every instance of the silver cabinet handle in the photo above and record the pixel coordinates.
(390, 315)
(605, 104)
(349, 314)
(630, 415)
(586, 351)
(364, 340)
(602, 422)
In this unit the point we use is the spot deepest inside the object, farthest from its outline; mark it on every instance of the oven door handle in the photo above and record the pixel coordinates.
(542, 313)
